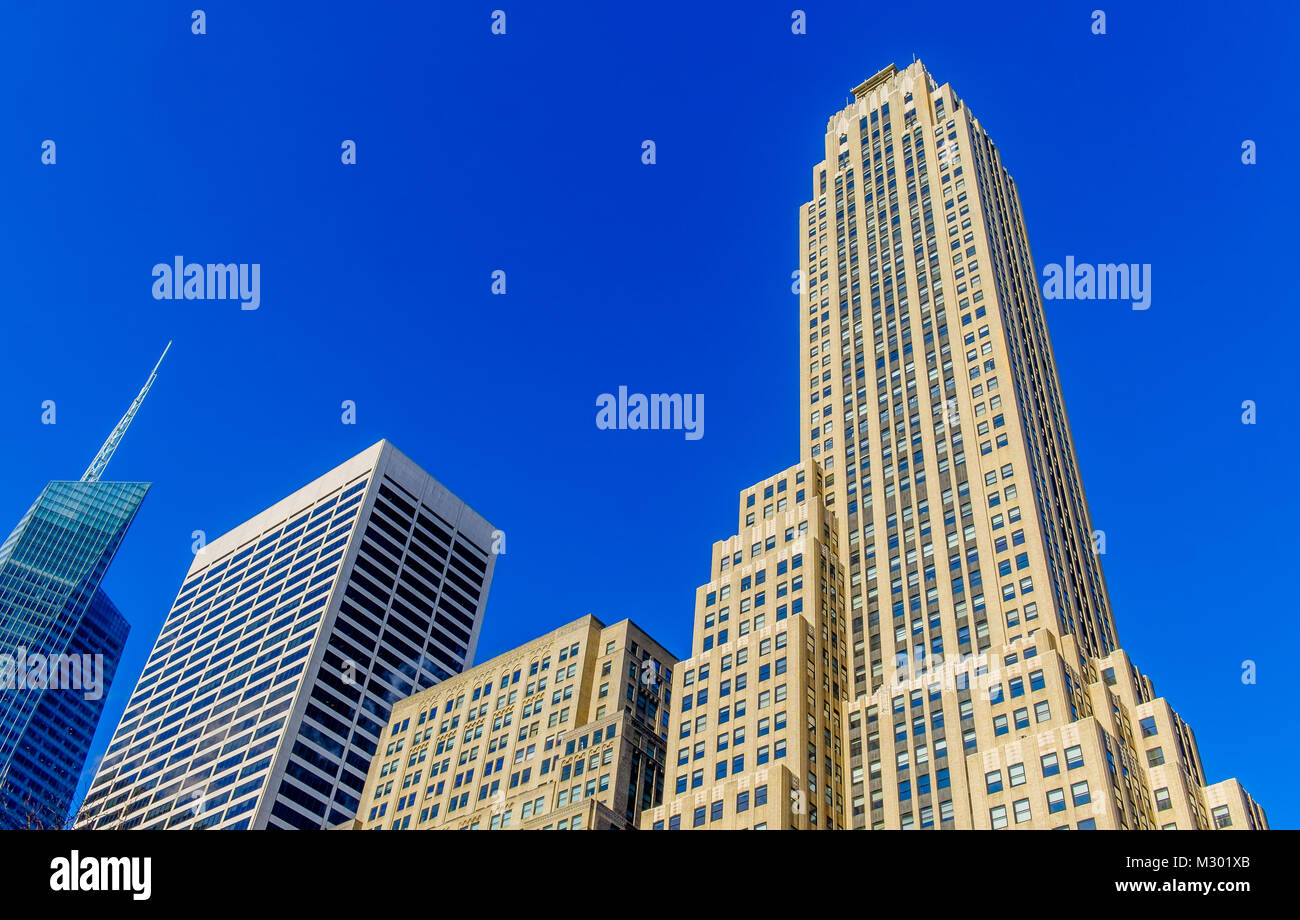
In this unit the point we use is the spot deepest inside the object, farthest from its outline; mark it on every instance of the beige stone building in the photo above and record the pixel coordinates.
(755, 736)
(563, 733)
(955, 662)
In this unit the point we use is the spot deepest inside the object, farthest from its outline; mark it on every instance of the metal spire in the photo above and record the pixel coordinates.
(96, 468)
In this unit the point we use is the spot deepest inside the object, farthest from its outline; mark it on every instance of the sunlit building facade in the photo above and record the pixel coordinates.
(960, 667)
(755, 739)
(932, 403)
(566, 732)
(269, 688)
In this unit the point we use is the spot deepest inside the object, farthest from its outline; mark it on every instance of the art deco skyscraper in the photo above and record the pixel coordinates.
(54, 622)
(936, 648)
(931, 401)
(292, 636)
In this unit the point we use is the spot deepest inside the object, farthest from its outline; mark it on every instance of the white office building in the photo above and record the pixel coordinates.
(290, 639)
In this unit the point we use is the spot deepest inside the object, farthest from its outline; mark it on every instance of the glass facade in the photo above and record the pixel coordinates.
(50, 605)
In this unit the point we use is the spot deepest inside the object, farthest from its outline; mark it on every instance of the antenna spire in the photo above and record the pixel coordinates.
(96, 468)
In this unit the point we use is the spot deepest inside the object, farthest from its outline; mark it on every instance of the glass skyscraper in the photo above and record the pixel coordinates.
(55, 624)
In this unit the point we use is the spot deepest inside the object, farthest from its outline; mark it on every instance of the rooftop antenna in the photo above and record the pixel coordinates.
(96, 468)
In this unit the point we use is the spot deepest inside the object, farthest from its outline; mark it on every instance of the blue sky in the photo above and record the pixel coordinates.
(522, 153)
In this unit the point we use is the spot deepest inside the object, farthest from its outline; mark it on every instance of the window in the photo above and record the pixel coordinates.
(1163, 802)
(1022, 812)
(1016, 774)
(993, 781)
(1079, 791)
(1055, 800)
(1148, 726)
(998, 816)
(1222, 817)
(1051, 765)
(1073, 757)
(1155, 757)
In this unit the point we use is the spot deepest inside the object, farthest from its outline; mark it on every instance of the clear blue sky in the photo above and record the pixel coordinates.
(522, 153)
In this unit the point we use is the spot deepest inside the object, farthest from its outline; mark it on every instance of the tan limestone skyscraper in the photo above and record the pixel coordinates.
(958, 643)
(931, 400)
